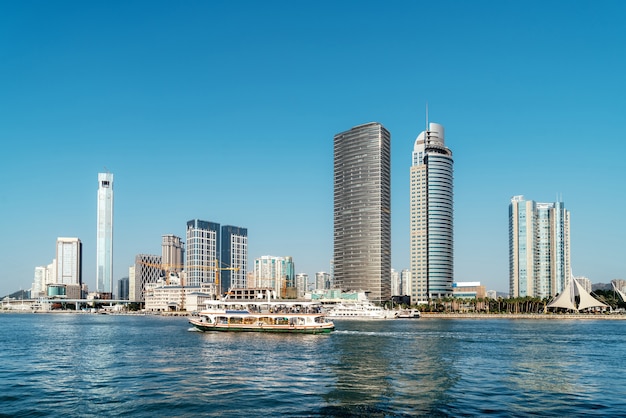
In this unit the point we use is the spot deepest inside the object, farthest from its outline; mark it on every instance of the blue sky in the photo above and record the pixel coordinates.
(226, 111)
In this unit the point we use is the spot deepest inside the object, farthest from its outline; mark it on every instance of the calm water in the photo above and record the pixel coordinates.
(77, 365)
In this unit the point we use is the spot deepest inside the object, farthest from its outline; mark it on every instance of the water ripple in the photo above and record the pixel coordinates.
(95, 365)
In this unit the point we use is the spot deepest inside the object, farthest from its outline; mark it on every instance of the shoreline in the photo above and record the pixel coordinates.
(548, 316)
(424, 315)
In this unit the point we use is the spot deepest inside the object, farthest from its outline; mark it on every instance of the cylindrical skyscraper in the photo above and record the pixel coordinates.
(432, 255)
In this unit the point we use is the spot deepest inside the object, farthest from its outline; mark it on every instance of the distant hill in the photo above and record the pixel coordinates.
(601, 286)
(20, 294)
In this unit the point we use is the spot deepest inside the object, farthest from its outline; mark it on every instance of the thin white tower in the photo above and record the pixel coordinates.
(104, 236)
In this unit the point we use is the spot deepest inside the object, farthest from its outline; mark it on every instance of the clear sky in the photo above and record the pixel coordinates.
(226, 112)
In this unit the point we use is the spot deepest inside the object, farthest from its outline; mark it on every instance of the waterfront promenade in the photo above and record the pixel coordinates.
(424, 315)
(542, 316)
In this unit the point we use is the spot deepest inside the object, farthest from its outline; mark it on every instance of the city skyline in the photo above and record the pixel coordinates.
(235, 120)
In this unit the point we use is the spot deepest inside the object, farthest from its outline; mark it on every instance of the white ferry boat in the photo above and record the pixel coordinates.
(262, 316)
(409, 314)
(359, 310)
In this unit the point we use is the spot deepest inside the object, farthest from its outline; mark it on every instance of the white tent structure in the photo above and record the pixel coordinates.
(618, 290)
(567, 298)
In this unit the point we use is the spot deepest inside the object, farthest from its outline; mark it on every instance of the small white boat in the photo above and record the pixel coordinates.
(359, 310)
(409, 314)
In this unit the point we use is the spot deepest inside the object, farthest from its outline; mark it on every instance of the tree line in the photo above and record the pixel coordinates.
(521, 305)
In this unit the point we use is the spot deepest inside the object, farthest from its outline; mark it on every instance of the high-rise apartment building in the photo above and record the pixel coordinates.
(302, 284)
(322, 280)
(104, 235)
(362, 211)
(201, 263)
(234, 258)
(40, 282)
(406, 282)
(396, 285)
(432, 255)
(69, 256)
(272, 272)
(539, 248)
(172, 253)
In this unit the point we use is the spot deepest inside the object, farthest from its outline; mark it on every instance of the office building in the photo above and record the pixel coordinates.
(431, 242)
(104, 235)
(362, 211)
(234, 258)
(468, 290)
(122, 288)
(539, 248)
(172, 253)
(69, 257)
(147, 269)
(201, 263)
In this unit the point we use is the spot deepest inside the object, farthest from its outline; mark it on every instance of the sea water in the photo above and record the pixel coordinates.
(89, 365)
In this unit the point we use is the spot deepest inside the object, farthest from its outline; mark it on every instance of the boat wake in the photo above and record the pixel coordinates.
(376, 333)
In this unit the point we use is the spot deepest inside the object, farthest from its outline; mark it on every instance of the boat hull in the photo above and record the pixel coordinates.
(285, 329)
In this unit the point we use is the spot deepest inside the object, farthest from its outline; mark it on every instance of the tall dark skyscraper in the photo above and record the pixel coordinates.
(362, 210)
(233, 255)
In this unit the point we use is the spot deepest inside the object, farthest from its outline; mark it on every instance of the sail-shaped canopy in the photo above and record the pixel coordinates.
(564, 300)
(619, 291)
(586, 300)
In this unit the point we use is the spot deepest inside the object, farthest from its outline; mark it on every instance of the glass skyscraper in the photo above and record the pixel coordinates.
(234, 255)
(104, 235)
(362, 211)
(203, 240)
(69, 261)
(432, 250)
(539, 248)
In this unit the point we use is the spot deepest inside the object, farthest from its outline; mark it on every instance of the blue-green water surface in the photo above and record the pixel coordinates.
(87, 365)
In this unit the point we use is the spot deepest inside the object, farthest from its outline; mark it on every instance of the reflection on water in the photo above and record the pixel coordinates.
(97, 365)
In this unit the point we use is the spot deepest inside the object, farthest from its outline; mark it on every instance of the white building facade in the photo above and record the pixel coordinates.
(69, 261)
(104, 234)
